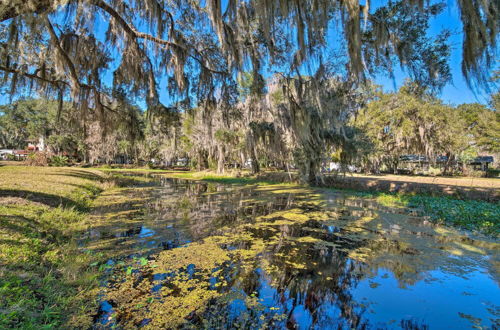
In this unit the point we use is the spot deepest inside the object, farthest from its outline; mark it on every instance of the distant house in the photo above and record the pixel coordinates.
(33, 145)
(482, 162)
(413, 159)
(442, 159)
(21, 154)
(182, 162)
(36, 144)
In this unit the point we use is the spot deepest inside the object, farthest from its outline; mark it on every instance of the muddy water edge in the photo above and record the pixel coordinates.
(190, 254)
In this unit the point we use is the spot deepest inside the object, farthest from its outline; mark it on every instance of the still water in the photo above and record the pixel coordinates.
(202, 255)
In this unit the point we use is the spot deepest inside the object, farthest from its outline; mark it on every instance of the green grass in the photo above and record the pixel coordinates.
(468, 214)
(220, 178)
(46, 279)
(143, 170)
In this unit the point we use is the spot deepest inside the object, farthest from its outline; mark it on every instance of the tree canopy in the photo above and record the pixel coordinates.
(58, 47)
(409, 122)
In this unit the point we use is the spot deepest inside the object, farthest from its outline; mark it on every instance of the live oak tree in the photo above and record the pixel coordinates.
(24, 120)
(412, 122)
(482, 125)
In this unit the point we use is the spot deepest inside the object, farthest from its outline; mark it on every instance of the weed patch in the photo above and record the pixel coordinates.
(467, 214)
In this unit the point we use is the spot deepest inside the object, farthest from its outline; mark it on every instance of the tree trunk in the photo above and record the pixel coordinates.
(395, 166)
(202, 160)
(313, 170)
(243, 160)
(255, 162)
(221, 160)
(447, 164)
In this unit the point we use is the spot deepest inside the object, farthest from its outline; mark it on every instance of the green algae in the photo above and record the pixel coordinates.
(207, 257)
(180, 296)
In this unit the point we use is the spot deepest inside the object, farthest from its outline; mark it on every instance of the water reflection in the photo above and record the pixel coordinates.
(278, 256)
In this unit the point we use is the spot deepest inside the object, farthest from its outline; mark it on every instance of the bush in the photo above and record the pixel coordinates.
(476, 174)
(59, 161)
(493, 173)
(433, 171)
(38, 159)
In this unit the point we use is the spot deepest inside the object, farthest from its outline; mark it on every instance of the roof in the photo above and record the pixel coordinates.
(412, 158)
(483, 159)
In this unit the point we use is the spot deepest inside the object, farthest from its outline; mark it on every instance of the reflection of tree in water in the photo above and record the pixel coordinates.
(284, 259)
(206, 207)
(313, 291)
(318, 276)
(321, 276)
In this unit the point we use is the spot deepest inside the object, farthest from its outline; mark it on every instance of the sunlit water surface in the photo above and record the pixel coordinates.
(203, 255)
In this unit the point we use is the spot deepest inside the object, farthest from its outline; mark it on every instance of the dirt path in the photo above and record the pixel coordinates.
(461, 182)
(473, 188)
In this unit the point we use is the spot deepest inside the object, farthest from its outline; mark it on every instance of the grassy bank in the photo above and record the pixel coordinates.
(467, 214)
(46, 279)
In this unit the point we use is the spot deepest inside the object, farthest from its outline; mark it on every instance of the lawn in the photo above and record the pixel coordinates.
(46, 280)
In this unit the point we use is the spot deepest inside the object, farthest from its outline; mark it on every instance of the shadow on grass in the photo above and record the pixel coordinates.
(15, 223)
(10, 242)
(79, 174)
(39, 197)
(31, 228)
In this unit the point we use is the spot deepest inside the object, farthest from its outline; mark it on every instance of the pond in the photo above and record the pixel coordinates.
(188, 254)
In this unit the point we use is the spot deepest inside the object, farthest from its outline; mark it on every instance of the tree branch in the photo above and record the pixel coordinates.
(133, 33)
(14, 9)
(130, 29)
(75, 82)
(33, 76)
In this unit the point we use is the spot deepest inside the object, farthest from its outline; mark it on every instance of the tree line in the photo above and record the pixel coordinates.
(254, 81)
(360, 126)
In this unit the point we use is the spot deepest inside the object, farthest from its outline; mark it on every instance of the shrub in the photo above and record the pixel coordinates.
(493, 173)
(11, 157)
(476, 174)
(433, 171)
(38, 159)
(58, 161)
